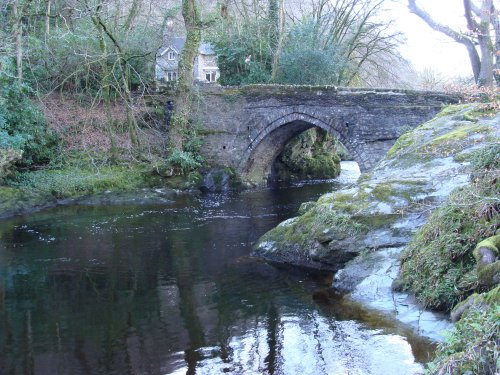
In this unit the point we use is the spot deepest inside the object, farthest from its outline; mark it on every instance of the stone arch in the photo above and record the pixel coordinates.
(259, 156)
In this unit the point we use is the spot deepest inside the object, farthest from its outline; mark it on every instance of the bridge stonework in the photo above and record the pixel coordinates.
(246, 128)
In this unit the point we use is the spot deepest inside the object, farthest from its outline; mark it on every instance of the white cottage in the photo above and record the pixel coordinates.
(167, 62)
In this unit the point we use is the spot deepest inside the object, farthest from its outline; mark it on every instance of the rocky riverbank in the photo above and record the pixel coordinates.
(389, 203)
(360, 232)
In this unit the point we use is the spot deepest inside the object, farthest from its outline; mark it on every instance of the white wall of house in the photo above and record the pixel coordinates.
(206, 70)
(167, 66)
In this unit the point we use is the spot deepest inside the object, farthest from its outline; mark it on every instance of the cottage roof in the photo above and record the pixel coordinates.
(177, 43)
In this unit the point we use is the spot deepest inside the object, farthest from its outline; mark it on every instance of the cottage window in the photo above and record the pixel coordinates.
(211, 76)
(171, 55)
(171, 76)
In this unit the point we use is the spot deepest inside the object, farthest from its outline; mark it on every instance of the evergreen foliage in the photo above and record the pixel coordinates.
(22, 124)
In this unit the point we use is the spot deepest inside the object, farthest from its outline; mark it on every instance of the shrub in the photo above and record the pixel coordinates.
(185, 161)
(22, 124)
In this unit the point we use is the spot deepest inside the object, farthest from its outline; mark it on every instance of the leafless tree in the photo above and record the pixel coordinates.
(482, 40)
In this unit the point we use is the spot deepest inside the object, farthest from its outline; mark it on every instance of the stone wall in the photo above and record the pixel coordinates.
(246, 128)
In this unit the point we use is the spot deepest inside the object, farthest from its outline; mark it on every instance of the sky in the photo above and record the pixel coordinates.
(429, 49)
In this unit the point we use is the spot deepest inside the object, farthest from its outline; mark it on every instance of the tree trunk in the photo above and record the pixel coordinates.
(279, 45)
(106, 90)
(47, 18)
(461, 38)
(183, 94)
(124, 70)
(132, 14)
(18, 37)
(482, 30)
(495, 21)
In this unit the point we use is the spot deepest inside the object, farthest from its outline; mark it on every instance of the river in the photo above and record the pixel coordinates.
(167, 286)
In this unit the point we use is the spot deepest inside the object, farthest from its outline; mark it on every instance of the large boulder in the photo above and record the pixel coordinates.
(389, 203)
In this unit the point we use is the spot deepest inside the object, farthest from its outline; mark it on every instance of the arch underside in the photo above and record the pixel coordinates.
(258, 160)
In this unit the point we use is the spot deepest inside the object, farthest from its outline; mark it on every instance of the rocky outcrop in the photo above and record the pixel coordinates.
(311, 155)
(361, 232)
(218, 180)
(391, 202)
(8, 157)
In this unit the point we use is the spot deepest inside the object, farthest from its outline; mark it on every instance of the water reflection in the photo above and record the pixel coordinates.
(168, 288)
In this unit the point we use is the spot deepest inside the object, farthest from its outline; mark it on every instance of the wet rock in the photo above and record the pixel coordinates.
(369, 279)
(388, 204)
(217, 180)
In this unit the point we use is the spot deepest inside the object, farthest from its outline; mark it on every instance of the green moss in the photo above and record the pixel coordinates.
(315, 224)
(437, 264)
(446, 134)
(492, 243)
(16, 200)
(9, 193)
(204, 132)
(402, 143)
(472, 345)
(477, 113)
(73, 182)
(451, 110)
(346, 202)
(343, 197)
(489, 275)
(310, 155)
(461, 133)
(306, 206)
(376, 221)
(384, 192)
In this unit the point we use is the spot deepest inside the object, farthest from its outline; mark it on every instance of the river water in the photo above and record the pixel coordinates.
(167, 286)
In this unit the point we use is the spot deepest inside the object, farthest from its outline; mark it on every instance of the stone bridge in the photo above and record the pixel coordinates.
(246, 128)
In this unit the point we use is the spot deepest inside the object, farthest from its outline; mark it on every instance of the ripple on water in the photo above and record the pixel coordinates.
(316, 346)
(168, 288)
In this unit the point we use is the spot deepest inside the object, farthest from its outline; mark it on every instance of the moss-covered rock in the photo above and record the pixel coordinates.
(388, 204)
(487, 263)
(8, 157)
(472, 346)
(489, 275)
(487, 251)
(448, 134)
(310, 155)
(15, 201)
(442, 263)
(218, 179)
